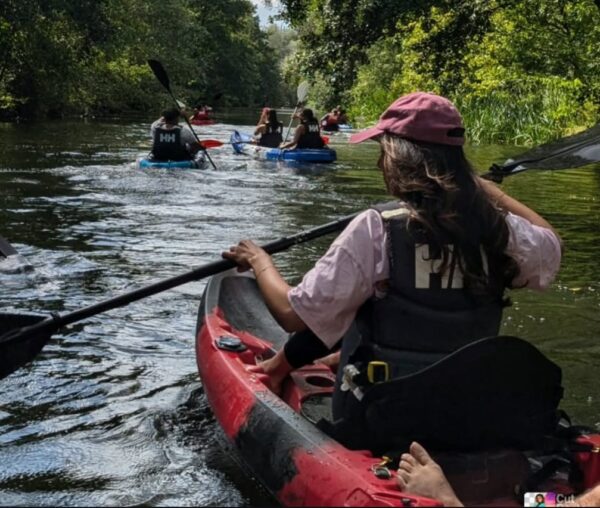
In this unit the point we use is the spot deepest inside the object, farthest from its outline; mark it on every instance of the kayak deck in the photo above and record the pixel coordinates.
(144, 163)
(242, 144)
(277, 437)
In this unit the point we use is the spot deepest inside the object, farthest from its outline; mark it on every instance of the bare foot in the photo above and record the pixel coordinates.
(419, 474)
(589, 498)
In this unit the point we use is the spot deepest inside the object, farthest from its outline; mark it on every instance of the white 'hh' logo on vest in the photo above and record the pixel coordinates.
(426, 267)
(167, 138)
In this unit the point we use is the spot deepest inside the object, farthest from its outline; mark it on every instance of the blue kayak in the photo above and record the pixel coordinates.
(143, 163)
(242, 143)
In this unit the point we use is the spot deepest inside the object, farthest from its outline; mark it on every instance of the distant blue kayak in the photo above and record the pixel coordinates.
(143, 163)
(242, 143)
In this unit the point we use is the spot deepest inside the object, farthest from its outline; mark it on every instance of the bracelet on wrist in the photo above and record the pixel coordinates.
(261, 270)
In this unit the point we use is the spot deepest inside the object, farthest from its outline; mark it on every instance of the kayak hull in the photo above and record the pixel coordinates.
(277, 437)
(323, 155)
(242, 144)
(144, 163)
(295, 461)
(202, 122)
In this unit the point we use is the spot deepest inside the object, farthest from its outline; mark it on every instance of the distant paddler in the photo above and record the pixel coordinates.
(308, 133)
(171, 141)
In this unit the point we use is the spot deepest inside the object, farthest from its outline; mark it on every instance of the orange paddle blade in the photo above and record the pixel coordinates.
(211, 143)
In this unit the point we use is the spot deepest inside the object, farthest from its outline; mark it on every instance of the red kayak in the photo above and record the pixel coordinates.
(299, 464)
(202, 121)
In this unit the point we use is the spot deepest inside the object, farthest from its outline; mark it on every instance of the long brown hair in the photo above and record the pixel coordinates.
(440, 188)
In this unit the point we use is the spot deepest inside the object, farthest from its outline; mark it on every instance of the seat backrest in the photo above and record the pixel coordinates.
(496, 392)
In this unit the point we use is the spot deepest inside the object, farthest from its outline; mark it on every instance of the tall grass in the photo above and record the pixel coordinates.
(525, 117)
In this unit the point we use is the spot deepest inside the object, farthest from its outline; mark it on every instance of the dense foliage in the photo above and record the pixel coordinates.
(520, 70)
(76, 56)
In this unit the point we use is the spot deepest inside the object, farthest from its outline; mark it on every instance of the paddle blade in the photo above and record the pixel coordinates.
(6, 249)
(302, 91)
(18, 351)
(211, 143)
(566, 153)
(160, 73)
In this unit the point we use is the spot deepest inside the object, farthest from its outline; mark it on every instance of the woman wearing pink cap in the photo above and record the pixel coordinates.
(409, 282)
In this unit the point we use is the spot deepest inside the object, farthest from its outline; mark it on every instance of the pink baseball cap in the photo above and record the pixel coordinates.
(419, 116)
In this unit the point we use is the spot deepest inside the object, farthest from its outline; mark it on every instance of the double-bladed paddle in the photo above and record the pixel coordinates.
(163, 78)
(25, 335)
(301, 94)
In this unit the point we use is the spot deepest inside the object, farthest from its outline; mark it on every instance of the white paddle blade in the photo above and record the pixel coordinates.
(302, 91)
(181, 104)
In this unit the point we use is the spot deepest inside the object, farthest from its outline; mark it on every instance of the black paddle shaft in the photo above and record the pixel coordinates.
(163, 78)
(54, 322)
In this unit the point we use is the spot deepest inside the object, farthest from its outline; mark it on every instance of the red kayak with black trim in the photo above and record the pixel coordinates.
(203, 121)
(276, 436)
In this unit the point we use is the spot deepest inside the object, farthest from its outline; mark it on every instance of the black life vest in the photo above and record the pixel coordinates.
(425, 322)
(425, 315)
(312, 136)
(167, 145)
(272, 136)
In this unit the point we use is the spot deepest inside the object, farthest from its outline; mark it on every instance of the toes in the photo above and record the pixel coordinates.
(420, 454)
(403, 476)
(401, 483)
(407, 457)
(406, 466)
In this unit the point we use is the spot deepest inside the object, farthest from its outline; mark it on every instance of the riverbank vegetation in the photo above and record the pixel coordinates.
(62, 57)
(521, 71)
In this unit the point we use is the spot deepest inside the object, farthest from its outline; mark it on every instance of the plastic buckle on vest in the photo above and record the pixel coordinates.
(349, 377)
(378, 372)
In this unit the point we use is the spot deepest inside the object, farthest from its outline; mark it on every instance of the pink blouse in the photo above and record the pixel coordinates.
(330, 294)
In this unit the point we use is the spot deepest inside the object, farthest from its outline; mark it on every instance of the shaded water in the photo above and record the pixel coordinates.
(112, 412)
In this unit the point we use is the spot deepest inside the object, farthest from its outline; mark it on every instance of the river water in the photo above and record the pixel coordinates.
(112, 412)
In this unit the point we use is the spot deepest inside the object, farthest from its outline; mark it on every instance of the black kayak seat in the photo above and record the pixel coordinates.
(493, 393)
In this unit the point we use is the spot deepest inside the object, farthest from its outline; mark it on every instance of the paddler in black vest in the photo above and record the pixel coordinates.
(269, 129)
(171, 141)
(308, 133)
(414, 280)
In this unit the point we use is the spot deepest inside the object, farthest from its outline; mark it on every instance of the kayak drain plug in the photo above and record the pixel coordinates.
(229, 343)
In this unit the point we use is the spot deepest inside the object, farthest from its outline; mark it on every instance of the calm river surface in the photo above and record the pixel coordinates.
(112, 412)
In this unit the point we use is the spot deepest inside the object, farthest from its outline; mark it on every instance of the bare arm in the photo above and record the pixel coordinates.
(272, 285)
(299, 132)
